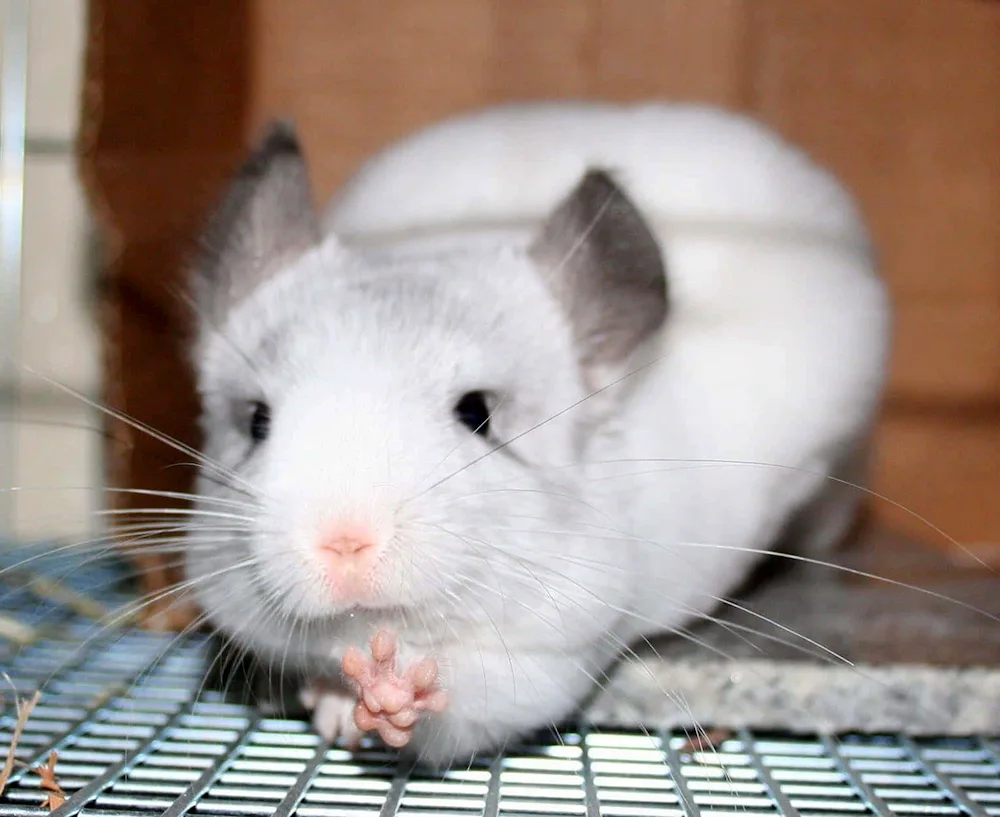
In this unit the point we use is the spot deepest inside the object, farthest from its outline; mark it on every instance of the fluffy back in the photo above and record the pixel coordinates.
(684, 165)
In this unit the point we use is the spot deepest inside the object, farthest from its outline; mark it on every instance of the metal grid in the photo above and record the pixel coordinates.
(137, 735)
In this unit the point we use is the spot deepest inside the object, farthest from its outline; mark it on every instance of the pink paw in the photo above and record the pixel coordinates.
(389, 702)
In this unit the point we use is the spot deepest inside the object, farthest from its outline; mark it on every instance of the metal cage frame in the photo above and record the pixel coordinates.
(137, 733)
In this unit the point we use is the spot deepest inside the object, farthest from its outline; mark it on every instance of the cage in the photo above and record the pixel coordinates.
(138, 731)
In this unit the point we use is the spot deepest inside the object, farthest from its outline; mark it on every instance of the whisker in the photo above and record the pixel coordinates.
(128, 612)
(535, 427)
(138, 425)
(776, 554)
(690, 463)
(103, 544)
(188, 512)
(460, 444)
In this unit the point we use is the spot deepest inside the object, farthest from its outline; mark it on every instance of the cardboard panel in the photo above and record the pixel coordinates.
(355, 76)
(902, 99)
(947, 349)
(163, 122)
(938, 473)
(161, 79)
(679, 51)
(544, 49)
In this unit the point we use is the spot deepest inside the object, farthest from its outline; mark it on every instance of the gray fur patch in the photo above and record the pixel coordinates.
(265, 220)
(604, 266)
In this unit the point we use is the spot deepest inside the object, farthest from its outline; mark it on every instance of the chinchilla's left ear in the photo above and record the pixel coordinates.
(265, 219)
(605, 268)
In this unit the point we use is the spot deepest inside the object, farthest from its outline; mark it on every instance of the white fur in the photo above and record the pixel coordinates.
(684, 166)
(770, 271)
(764, 383)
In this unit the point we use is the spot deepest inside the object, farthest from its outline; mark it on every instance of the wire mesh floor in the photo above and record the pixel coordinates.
(136, 734)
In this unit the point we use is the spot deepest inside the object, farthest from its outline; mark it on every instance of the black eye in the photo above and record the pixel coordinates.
(473, 412)
(260, 422)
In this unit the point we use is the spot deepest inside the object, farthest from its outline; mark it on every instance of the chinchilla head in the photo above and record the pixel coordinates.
(407, 431)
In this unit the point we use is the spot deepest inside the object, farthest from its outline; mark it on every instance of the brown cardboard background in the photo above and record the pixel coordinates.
(899, 97)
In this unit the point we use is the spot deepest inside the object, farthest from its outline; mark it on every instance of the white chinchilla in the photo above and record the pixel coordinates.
(544, 380)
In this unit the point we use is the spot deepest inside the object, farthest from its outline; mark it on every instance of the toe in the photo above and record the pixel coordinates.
(384, 647)
(371, 699)
(393, 697)
(404, 719)
(395, 737)
(355, 664)
(423, 674)
(364, 719)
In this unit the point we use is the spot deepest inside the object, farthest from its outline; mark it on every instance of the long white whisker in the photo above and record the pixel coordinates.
(143, 427)
(188, 512)
(535, 427)
(614, 535)
(131, 492)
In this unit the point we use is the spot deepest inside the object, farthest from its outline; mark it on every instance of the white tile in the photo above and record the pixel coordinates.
(59, 335)
(56, 31)
(59, 461)
(58, 469)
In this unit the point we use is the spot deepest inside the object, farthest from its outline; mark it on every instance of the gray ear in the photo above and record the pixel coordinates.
(605, 268)
(266, 219)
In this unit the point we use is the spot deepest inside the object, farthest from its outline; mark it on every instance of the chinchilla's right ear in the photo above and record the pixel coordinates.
(603, 263)
(266, 219)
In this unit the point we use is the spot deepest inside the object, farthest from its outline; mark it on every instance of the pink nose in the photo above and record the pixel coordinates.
(346, 541)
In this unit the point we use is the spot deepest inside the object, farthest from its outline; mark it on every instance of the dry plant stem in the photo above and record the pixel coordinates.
(56, 796)
(24, 709)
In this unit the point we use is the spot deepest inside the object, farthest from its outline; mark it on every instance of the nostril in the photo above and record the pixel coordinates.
(346, 540)
(345, 545)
